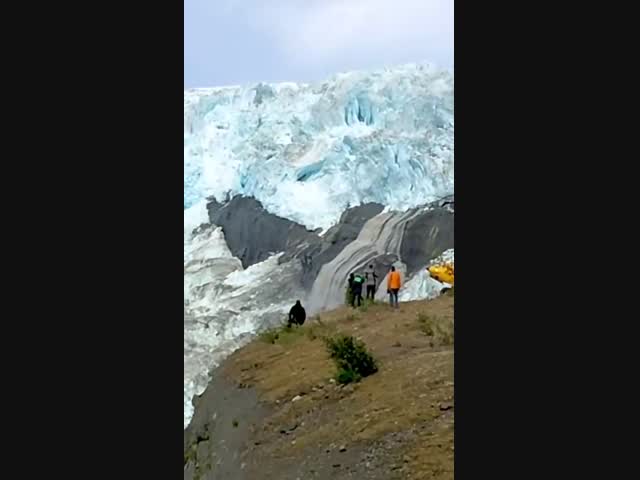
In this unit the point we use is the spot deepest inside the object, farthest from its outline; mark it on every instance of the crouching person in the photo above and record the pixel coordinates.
(297, 315)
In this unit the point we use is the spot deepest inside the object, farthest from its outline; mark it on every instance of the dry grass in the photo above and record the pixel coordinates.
(412, 391)
(439, 329)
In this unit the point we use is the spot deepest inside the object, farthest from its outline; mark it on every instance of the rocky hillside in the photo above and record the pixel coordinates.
(274, 411)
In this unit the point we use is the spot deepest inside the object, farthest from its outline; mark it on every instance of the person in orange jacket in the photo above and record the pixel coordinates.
(394, 282)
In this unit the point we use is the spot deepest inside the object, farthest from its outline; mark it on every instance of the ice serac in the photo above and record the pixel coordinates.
(307, 152)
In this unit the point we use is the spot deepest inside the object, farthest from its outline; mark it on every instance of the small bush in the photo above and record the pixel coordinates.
(283, 334)
(235, 424)
(347, 376)
(291, 334)
(351, 357)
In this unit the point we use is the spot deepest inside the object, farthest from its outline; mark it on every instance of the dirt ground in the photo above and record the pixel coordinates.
(395, 424)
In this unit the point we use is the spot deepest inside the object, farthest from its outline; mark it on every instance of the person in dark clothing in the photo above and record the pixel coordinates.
(356, 288)
(371, 280)
(351, 279)
(350, 289)
(297, 314)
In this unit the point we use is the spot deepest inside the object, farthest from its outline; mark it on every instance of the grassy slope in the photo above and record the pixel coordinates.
(409, 400)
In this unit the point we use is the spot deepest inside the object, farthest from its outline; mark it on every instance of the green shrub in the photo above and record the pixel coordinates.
(351, 357)
(282, 335)
(347, 376)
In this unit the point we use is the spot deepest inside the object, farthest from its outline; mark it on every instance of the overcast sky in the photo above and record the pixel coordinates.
(229, 42)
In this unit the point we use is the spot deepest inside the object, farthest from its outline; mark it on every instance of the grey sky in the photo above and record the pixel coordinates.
(228, 42)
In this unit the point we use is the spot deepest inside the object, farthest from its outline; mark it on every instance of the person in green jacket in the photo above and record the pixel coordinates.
(356, 288)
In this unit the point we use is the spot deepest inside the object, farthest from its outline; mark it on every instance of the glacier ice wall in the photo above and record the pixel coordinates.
(224, 304)
(225, 311)
(307, 151)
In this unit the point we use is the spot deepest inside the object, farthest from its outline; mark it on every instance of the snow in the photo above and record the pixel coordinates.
(421, 286)
(225, 306)
(195, 216)
(306, 151)
(446, 257)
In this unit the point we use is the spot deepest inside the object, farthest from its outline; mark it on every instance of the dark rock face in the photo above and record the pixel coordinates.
(444, 201)
(333, 242)
(426, 236)
(253, 234)
(381, 265)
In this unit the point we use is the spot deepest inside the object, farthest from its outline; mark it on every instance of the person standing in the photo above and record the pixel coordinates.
(350, 289)
(394, 283)
(356, 289)
(371, 280)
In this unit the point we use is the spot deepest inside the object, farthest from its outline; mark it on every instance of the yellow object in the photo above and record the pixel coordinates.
(442, 273)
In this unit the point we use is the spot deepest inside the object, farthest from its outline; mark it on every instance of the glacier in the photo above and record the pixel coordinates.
(308, 151)
(225, 305)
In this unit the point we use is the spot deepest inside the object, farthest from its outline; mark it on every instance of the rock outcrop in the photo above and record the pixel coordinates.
(253, 234)
(426, 236)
